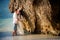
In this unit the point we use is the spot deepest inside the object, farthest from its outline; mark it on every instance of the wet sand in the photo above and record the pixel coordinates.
(8, 36)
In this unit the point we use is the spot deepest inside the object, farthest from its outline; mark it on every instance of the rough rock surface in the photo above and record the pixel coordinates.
(37, 15)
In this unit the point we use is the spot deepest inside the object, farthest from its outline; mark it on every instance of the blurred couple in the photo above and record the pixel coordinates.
(18, 29)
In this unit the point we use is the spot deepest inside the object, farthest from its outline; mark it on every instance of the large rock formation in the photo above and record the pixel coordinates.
(37, 15)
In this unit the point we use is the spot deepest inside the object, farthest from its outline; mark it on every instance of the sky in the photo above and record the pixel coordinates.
(4, 9)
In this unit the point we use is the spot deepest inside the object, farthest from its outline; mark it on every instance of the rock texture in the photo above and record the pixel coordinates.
(37, 15)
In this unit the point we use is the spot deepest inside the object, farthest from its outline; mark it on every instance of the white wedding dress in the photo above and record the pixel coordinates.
(20, 29)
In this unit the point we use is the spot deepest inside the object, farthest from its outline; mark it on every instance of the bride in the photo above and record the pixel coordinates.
(20, 23)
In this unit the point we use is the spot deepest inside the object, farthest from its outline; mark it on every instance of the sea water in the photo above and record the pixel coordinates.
(6, 27)
(6, 24)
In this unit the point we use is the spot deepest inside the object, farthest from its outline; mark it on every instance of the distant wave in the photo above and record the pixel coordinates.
(6, 24)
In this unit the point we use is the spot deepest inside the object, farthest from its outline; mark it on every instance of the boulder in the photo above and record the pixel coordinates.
(38, 15)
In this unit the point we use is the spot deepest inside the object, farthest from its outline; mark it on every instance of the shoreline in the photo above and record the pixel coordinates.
(5, 34)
